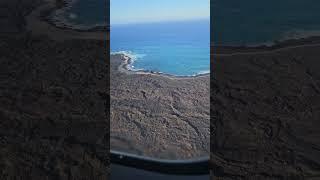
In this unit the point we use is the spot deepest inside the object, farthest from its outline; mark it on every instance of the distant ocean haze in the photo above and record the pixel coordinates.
(178, 48)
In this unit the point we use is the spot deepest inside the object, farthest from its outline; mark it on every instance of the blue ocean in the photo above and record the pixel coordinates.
(182, 48)
(177, 48)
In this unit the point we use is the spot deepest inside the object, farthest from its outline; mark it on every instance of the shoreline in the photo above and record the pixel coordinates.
(288, 43)
(230, 51)
(63, 24)
(56, 18)
(37, 22)
(127, 61)
(278, 44)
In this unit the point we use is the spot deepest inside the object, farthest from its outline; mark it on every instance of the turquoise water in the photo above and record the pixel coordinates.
(177, 48)
(182, 48)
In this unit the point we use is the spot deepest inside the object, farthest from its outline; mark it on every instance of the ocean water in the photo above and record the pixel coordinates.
(177, 48)
(251, 22)
(87, 12)
(182, 48)
(234, 22)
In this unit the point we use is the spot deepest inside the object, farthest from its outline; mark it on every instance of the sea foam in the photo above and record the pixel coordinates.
(133, 57)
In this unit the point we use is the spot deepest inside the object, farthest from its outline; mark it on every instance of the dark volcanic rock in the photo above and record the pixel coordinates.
(12, 15)
(265, 115)
(157, 115)
(53, 121)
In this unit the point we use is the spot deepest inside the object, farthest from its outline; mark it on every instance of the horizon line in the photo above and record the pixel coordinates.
(160, 21)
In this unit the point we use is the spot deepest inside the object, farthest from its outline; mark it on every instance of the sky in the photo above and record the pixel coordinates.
(144, 11)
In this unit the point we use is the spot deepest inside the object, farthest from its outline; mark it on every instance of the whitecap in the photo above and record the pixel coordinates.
(133, 56)
(203, 72)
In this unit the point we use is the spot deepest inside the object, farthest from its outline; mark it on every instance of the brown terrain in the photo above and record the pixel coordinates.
(53, 98)
(158, 116)
(265, 112)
